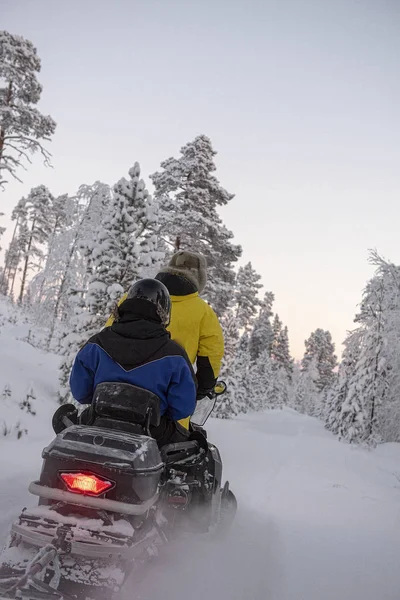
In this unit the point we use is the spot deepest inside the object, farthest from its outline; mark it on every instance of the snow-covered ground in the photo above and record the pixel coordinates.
(317, 519)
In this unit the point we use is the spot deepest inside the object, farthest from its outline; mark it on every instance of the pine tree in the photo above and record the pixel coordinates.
(282, 365)
(231, 335)
(279, 389)
(319, 347)
(240, 368)
(282, 353)
(35, 230)
(22, 126)
(235, 373)
(86, 212)
(261, 336)
(2, 230)
(46, 285)
(366, 407)
(340, 389)
(3, 286)
(227, 406)
(307, 397)
(261, 381)
(246, 296)
(15, 249)
(124, 246)
(189, 196)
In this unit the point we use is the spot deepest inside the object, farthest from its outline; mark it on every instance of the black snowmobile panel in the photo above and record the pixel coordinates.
(134, 460)
(127, 451)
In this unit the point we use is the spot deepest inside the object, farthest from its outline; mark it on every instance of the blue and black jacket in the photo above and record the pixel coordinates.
(138, 350)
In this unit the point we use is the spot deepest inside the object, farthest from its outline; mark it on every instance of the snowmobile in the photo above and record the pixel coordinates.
(109, 498)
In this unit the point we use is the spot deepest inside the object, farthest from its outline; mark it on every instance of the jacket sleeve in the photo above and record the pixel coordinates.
(211, 350)
(111, 318)
(181, 395)
(81, 380)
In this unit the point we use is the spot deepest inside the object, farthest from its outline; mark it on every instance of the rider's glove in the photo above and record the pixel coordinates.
(202, 393)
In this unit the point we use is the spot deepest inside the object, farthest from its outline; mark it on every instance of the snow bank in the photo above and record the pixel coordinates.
(28, 378)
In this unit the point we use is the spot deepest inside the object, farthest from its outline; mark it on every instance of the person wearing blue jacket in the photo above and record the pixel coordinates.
(137, 349)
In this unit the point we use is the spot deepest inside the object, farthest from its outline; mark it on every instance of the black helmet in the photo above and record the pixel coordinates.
(155, 292)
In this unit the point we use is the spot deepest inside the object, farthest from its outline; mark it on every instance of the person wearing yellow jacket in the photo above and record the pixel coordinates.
(194, 324)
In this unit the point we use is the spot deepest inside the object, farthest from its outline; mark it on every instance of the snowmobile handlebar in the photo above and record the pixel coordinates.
(219, 388)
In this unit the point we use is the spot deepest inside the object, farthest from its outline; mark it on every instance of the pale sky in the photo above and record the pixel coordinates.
(299, 97)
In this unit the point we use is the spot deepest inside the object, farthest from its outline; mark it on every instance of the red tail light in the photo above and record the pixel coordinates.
(85, 483)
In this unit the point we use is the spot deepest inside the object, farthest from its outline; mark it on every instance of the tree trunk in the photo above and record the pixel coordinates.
(7, 266)
(7, 102)
(25, 272)
(50, 246)
(373, 402)
(61, 290)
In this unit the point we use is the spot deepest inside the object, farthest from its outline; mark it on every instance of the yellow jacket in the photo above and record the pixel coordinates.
(195, 326)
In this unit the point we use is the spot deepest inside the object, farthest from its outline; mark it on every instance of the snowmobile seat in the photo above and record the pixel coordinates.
(115, 401)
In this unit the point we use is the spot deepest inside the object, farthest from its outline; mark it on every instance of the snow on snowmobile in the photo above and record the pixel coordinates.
(109, 498)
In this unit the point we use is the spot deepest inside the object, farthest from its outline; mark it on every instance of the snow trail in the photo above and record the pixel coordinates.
(317, 519)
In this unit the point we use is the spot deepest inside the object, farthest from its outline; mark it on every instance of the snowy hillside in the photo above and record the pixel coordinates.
(28, 377)
(317, 519)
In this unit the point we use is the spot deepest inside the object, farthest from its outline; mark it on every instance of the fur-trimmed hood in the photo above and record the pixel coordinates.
(189, 265)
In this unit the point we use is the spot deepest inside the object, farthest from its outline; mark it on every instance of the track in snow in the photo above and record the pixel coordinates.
(317, 519)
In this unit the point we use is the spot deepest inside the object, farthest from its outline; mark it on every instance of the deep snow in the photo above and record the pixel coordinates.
(317, 519)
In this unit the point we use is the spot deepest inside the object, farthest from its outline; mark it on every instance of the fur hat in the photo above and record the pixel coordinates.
(191, 266)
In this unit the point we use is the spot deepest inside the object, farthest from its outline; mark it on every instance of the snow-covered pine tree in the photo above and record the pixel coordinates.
(45, 286)
(95, 202)
(371, 402)
(280, 353)
(231, 335)
(22, 126)
(85, 214)
(261, 381)
(261, 336)
(15, 249)
(3, 287)
(35, 231)
(2, 230)
(279, 390)
(239, 395)
(12, 259)
(246, 296)
(319, 347)
(189, 196)
(125, 243)
(282, 365)
(306, 395)
(341, 387)
(294, 385)
(226, 407)
(276, 331)
(240, 369)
